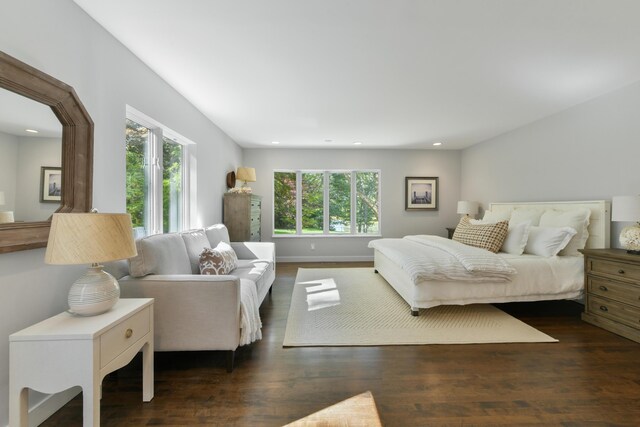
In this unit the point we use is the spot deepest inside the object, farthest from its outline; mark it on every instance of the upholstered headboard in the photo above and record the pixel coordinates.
(599, 222)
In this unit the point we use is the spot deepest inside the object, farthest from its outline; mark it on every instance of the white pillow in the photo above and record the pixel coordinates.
(517, 237)
(490, 217)
(548, 241)
(525, 214)
(578, 219)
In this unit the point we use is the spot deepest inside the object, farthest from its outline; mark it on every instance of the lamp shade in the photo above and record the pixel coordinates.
(87, 238)
(2, 201)
(625, 208)
(467, 208)
(246, 174)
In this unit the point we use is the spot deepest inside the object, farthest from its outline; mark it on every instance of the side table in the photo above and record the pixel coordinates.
(450, 232)
(66, 350)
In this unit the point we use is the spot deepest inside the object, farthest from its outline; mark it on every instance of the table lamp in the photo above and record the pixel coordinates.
(91, 238)
(627, 209)
(246, 175)
(468, 208)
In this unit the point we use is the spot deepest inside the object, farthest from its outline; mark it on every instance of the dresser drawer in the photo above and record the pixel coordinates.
(123, 335)
(618, 291)
(615, 269)
(617, 311)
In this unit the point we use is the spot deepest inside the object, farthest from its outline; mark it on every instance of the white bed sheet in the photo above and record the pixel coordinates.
(538, 278)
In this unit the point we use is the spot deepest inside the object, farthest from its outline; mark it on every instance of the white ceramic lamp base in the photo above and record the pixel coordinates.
(630, 238)
(94, 293)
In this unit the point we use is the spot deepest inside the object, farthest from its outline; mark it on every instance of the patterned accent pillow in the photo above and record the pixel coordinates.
(220, 260)
(485, 236)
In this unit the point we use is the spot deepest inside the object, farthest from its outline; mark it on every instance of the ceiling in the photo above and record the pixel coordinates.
(386, 73)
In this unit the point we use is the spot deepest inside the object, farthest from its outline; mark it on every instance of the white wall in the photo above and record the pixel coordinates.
(394, 165)
(33, 153)
(588, 152)
(8, 163)
(60, 39)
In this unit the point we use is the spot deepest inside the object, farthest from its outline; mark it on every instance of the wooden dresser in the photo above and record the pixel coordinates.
(612, 291)
(242, 216)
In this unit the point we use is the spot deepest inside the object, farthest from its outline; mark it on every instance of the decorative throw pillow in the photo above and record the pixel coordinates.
(548, 241)
(485, 236)
(220, 260)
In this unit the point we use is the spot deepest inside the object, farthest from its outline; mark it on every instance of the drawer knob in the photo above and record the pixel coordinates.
(603, 288)
(621, 271)
(128, 333)
(604, 308)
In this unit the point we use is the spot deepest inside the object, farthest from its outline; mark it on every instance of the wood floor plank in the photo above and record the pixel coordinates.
(590, 377)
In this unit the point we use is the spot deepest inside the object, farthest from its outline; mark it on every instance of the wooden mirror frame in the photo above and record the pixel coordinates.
(77, 148)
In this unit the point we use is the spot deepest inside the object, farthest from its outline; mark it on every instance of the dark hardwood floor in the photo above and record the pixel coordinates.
(591, 377)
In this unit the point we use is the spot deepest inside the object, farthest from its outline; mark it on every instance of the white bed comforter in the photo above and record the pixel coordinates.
(436, 258)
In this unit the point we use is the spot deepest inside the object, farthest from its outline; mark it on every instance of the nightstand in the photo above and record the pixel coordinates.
(612, 291)
(65, 351)
(450, 232)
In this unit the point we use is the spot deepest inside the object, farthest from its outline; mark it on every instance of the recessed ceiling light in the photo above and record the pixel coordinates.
(328, 140)
(275, 142)
(357, 143)
(437, 143)
(31, 130)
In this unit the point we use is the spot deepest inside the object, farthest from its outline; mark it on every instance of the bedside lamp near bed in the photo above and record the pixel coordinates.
(468, 208)
(627, 209)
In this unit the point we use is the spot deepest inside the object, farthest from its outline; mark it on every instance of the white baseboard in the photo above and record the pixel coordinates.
(50, 404)
(362, 258)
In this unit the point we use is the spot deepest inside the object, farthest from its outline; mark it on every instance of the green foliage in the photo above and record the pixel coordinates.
(339, 200)
(313, 201)
(284, 201)
(136, 185)
(171, 185)
(367, 202)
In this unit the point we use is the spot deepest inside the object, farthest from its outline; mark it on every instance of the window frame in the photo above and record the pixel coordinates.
(154, 157)
(326, 220)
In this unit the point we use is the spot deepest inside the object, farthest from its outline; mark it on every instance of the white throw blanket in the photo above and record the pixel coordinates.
(436, 258)
(250, 323)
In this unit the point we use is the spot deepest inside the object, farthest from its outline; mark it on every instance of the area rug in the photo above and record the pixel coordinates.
(357, 307)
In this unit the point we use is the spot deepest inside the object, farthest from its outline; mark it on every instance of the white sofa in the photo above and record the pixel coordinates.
(193, 311)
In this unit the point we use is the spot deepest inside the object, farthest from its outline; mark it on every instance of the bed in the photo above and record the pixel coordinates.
(538, 277)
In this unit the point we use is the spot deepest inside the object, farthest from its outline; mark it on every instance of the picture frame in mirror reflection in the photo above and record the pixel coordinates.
(50, 184)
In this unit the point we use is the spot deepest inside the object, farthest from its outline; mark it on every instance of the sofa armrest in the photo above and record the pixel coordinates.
(191, 312)
(255, 250)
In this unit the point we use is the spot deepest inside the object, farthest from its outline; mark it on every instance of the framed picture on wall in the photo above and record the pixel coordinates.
(50, 184)
(420, 193)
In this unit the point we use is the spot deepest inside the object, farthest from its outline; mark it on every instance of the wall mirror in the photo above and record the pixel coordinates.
(65, 142)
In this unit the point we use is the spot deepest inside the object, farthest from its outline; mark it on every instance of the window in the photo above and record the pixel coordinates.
(326, 203)
(158, 197)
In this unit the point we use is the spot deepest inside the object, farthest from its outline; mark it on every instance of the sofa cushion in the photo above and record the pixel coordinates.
(220, 260)
(160, 254)
(195, 241)
(217, 233)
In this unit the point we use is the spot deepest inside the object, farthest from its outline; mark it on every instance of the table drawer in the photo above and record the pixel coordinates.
(615, 269)
(618, 291)
(123, 335)
(617, 311)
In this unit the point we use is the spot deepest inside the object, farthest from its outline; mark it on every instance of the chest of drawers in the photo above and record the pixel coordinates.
(242, 216)
(612, 291)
